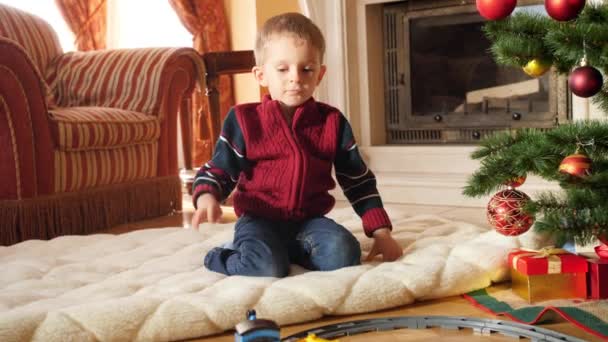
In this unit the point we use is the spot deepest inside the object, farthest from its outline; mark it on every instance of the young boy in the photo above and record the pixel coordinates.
(279, 153)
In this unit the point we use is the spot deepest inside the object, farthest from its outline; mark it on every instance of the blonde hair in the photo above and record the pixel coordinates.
(293, 23)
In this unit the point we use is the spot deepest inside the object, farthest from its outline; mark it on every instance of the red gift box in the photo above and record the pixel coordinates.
(549, 273)
(547, 261)
(597, 279)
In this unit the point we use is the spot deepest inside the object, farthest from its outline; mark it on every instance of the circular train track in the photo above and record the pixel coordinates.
(478, 325)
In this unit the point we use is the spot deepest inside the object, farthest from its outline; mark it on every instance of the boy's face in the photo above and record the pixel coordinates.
(292, 69)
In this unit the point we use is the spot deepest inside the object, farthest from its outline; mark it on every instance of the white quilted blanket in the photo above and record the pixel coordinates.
(150, 284)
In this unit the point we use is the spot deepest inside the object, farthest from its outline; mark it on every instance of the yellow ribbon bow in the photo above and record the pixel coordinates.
(554, 263)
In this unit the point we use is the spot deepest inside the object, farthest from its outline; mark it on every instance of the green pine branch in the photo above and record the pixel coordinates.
(580, 211)
(585, 36)
(530, 151)
(519, 39)
(580, 216)
(601, 99)
(526, 36)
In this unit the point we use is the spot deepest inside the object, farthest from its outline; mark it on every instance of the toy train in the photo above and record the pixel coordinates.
(265, 330)
(257, 330)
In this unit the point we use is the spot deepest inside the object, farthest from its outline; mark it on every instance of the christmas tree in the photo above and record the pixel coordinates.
(576, 154)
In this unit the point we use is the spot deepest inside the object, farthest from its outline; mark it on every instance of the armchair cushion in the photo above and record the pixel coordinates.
(86, 128)
(80, 170)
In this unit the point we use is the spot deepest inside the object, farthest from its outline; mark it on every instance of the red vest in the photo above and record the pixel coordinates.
(291, 164)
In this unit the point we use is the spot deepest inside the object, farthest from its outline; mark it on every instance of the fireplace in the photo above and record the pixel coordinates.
(441, 84)
(428, 164)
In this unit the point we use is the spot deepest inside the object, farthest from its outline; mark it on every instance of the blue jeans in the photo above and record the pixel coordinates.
(265, 248)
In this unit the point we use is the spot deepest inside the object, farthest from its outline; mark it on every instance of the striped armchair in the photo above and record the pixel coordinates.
(89, 139)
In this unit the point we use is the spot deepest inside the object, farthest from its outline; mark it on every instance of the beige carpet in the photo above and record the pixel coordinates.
(149, 285)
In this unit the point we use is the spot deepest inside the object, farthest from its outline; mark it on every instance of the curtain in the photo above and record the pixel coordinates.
(206, 20)
(87, 20)
(329, 15)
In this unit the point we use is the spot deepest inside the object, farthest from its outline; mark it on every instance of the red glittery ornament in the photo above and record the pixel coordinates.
(564, 10)
(516, 181)
(585, 81)
(505, 212)
(495, 9)
(577, 165)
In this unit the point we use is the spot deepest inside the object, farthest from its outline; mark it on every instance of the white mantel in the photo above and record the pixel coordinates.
(430, 175)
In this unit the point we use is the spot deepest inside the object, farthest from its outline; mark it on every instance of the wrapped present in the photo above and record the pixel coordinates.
(597, 279)
(549, 273)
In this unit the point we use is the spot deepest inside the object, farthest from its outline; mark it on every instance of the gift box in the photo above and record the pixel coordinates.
(549, 273)
(597, 279)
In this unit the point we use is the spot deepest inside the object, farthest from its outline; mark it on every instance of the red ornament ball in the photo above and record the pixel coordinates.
(564, 10)
(495, 9)
(585, 81)
(505, 212)
(577, 165)
(602, 250)
(516, 181)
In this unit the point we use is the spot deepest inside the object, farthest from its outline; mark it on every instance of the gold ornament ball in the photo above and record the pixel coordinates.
(537, 67)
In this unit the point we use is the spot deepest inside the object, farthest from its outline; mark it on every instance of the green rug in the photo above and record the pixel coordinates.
(589, 315)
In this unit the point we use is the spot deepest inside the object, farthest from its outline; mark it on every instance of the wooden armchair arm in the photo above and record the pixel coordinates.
(216, 64)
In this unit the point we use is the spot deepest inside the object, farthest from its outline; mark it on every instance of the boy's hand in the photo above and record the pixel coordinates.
(384, 244)
(208, 209)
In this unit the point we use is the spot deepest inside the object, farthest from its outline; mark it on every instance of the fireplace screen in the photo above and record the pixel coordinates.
(443, 86)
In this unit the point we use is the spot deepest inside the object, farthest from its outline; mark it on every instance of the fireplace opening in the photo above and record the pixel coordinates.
(442, 86)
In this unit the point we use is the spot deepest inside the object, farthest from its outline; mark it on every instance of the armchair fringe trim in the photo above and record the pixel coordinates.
(88, 211)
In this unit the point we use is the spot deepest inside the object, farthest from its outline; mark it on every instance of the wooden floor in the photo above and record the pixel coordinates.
(451, 306)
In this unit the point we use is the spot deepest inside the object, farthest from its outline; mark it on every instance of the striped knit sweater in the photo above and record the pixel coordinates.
(284, 173)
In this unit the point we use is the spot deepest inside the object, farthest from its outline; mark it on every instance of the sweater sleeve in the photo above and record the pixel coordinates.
(220, 175)
(358, 182)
